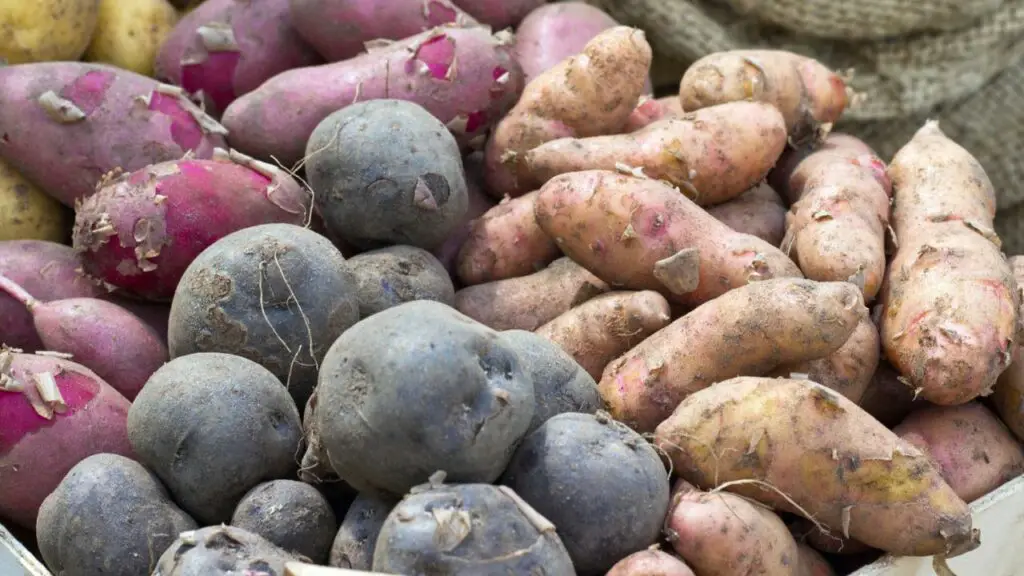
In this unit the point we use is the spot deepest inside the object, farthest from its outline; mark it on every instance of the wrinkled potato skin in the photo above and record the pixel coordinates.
(28, 213)
(758, 212)
(711, 155)
(1008, 397)
(850, 369)
(951, 299)
(738, 333)
(130, 32)
(826, 454)
(605, 327)
(650, 563)
(505, 242)
(619, 227)
(527, 302)
(971, 448)
(46, 30)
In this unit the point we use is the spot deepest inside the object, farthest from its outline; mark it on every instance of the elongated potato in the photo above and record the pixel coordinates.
(1008, 397)
(951, 301)
(790, 174)
(712, 155)
(748, 331)
(527, 302)
(599, 330)
(642, 234)
(850, 369)
(830, 458)
(809, 95)
(758, 212)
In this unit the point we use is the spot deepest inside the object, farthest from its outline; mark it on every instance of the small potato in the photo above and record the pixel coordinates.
(758, 212)
(28, 213)
(601, 329)
(651, 562)
(828, 542)
(850, 369)
(527, 302)
(888, 397)
(109, 515)
(46, 30)
(290, 514)
(357, 537)
(971, 448)
(130, 32)
(390, 276)
(222, 551)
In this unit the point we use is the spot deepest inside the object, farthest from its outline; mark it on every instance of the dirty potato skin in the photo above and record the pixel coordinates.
(712, 155)
(748, 331)
(850, 369)
(46, 30)
(1008, 397)
(220, 551)
(972, 449)
(290, 514)
(527, 302)
(649, 110)
(599, 330)
(390, 276)
(826, 454)
(951, 299)
(651, 562)
(758, 212)
(28, 213)
(810, 96)
(642, 234)
(357, 537)
(504, 243)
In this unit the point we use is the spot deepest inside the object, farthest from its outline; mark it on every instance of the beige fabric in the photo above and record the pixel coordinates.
(960, 62)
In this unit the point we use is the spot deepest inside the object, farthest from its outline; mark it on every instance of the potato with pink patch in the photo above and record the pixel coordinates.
(649, 110)
(466, 77)
(63, 125)
(226, 48)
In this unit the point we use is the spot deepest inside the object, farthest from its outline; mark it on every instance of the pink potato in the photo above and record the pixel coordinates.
(479, 204)
(141, 230)
(63, 125)
(338, 29)
(649, 110)
(812, 563)
(1008, 395)
(758, 212)
(466, 77)
(499, 14)
(650, 562)
(44, 435)
(225, 48)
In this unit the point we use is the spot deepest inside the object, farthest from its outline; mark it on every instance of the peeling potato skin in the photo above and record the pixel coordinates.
(650, 563)
(722, 534)
(824, 453)
(588, 94)
(758, 212)
(739, 333)
(505, 242)
(235, 299)
(222, 550)
(971, 448)
(528, 302)
(850, 369)
(357, 537)
(500, 538)
(951, 299)
(1008, 395)
(619, 227)
(290, 514)
(712, 155)
(601, 329)
(807, 93)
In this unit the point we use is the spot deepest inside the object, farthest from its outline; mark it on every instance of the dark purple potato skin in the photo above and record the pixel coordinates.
(290, 514)
(222, 551)
(391, 276)
(357, 537)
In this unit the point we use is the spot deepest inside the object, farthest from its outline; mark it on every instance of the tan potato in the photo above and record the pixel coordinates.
(599, 330)
(504, 243)
(711, 155)
(747, 331)
(527, 302)
(27, 213)
(45, 30)
(951, 300)
(789, 177)
(850, 369)
(1008, 397)
(812, 563)
(971, 448)
(130, 32)
(830, 459)
(758, 212)
(650, 562)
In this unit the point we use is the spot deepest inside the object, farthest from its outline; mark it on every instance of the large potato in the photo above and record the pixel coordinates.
(129, 33)
(45, 30)
(26, 212)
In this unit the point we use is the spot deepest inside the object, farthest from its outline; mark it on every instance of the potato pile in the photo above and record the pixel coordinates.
(446, 287)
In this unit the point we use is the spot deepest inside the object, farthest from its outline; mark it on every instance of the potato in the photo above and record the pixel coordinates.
(642, 234)
(602, 485)
(555, 31)
(1008, 397)
(797, 165)
(499, 14)
(250, 431)
(559, 384)
(479, 204)
(759, 212)
(387, 172)
(390, 276)
(829, 542)
(651, 562)
(46, 30)
(649, 110)
(603, 328)
(887, 397)
(276, 294)
(971, 448)
(748, 331)
(222, 551)
(462, 528)
(415, 389)
(812, 563)
(357, 537)
(109, 515)
(130, 32)
(848, 370)
(830, 458)
(527, 302)
(291, 515)
(27, 213)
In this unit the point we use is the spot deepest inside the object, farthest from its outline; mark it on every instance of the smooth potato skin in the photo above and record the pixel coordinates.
(528, 302)
(951, 299)
(129, 33)
(28, 213)
(357, 536)
(500, 13)
(619, 227)
(46, 30)
(812, 563)
(850, 369)
(758, 212)
(826, 454)
(1008, 395)
(601, 329)
(556, 31)
(972, 449)
(712, 155)
(479, 203)
(887, 397)
(650, 563)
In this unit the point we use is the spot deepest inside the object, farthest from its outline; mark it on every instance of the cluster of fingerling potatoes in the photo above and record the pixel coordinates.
(433, 287)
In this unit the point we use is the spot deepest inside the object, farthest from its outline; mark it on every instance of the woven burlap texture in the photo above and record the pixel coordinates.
(959, 62)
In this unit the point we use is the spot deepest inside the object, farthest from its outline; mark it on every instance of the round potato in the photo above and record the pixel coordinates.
(129, 33)
(45, 30)
(26, 213)
(290, 514)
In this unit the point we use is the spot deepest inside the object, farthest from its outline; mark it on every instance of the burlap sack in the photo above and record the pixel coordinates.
(959, 61)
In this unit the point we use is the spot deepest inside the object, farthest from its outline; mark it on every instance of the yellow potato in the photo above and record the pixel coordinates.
(26, 213)
(130, 32)
(45, 30)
